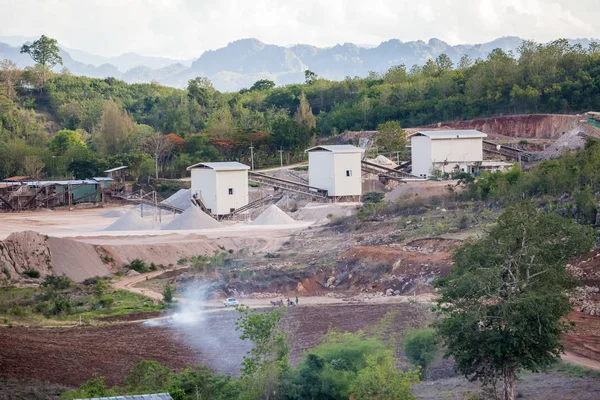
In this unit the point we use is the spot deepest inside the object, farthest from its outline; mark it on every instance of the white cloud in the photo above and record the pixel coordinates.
(186, 28)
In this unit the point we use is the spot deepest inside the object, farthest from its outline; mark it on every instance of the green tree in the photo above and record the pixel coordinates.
(64, 139)
(444, 63)
(45, 53)
(420, 347)
(382, 380)
(148, 376)
(270, 344)
(504, 301)
(168, 294)
(262, 85)
(201, 90)
(310, 77)
(390, 136)
(116, 129)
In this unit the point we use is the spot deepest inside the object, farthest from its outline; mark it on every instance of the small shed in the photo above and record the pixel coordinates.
(336, 168)
(116, 173)
(446, 151)
(221, 186)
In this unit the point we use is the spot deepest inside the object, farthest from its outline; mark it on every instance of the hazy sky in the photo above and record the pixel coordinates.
(186, 28)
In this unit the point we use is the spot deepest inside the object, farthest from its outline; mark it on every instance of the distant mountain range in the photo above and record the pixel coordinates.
(243, 62)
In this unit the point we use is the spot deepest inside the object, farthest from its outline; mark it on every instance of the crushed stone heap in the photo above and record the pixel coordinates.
(181, 199)
(273, 216)
(192, 218)
(132, 221)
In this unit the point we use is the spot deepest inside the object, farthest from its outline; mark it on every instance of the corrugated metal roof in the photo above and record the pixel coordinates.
(47, 183)
(221, 166)
(156, 396)
(449, 134)
(17, 178)
(339, 148)
(102, 178)
(116, 169)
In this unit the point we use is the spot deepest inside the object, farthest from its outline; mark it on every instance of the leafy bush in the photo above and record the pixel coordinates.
(57, 282)
(421, 347)
(32, 273)
(372, 197)
(148, 376)
(382, 380)
(168, 294)
(138, 266)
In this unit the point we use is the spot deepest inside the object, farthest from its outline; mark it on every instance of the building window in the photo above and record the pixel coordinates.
(348, 172)
(230, 190)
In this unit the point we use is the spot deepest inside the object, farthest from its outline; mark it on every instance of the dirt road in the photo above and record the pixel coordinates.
(128, 283)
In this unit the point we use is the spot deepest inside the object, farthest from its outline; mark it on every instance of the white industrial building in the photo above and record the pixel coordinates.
(221, 186)
(446, 151)
(336, 169)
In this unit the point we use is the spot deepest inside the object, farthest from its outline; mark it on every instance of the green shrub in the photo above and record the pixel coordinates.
(32, 273)
(182, 261)
(421, 347)
(372, 197)
(138, 266)
(168, 294)
(57, 282)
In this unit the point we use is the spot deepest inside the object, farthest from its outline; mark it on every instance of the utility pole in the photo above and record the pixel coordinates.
(281, 157)
(141, 202)
(252, 155)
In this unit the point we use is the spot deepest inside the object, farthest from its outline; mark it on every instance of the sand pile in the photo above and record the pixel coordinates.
(181, 199)
(132, 221)
(192, 218)
(273, 216)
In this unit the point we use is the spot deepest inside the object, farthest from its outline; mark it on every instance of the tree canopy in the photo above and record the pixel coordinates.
(504, 301)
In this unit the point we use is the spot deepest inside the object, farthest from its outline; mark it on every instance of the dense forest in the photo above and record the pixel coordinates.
(63, 126)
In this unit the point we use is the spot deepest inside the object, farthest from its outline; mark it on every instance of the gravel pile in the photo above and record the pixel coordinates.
(181, 199)
(573, 140)
(287, 203)
(192, 218)
(273, 216)
(132, 221)
(322, 212)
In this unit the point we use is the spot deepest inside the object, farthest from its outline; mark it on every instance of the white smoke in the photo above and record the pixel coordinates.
(208, 330)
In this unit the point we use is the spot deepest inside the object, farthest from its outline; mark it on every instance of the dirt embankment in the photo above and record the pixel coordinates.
(28, 251)
(534, 126)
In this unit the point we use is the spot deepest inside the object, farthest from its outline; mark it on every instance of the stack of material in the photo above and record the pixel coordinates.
(119, 212)
(573, 140)
(132, 221)
(288, 204)
(273, 216)
(192, 218)
(383, 160)
(181, 199)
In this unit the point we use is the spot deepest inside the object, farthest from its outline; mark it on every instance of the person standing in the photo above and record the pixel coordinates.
(296, 300)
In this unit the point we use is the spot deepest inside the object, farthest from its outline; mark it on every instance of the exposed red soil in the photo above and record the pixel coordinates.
(69, 356)
(416, 259)
(584, 340)
(540, 126)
